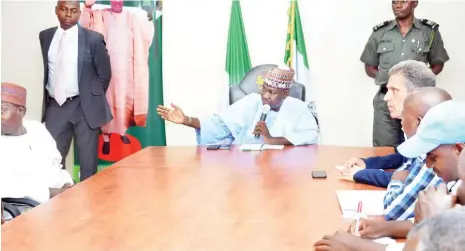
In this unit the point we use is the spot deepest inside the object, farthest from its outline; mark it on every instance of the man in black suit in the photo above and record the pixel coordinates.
(77, 73)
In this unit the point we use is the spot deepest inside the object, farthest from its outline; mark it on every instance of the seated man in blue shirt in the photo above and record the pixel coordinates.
(404, 78)
(413, 176)
(399, 202)
(440, 135)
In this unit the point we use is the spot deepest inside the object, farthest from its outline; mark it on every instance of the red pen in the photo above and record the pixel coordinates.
(359, 214)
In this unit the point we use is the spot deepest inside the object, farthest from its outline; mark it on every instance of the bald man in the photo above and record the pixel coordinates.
(402, 192)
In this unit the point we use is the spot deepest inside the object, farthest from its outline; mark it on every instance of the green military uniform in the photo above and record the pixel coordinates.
(387, 47)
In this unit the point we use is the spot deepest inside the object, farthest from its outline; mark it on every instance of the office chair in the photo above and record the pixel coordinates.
(16, 206)
(249, 85)
(9, 211)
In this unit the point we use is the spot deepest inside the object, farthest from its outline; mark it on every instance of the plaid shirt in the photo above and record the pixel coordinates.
(399, 202)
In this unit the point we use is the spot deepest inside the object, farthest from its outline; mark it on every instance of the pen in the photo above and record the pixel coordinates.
(359, 212)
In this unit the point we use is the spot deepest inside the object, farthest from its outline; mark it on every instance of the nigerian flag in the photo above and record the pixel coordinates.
(296, 53)
(237, 55)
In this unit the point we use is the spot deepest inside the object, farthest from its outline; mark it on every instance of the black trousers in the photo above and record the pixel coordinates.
(68, 121)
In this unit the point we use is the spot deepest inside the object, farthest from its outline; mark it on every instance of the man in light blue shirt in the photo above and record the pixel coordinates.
(290, 121)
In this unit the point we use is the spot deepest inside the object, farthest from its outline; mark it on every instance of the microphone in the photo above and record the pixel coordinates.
(265, 110)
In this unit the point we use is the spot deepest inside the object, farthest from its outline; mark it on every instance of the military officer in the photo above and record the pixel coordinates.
(391, 42)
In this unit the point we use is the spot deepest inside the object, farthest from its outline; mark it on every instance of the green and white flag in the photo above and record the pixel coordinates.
(296, 53)
(237, 54)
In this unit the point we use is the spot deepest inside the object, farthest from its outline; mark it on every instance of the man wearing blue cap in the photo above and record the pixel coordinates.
(441, 136)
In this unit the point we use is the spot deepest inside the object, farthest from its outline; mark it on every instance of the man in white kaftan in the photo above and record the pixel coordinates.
(290, 121)
(30, 163)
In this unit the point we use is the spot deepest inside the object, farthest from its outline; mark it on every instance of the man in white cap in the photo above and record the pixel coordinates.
(289, 122)
(30, 159)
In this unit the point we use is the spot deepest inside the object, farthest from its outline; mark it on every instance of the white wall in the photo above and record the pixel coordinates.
(335, 31)
(195, 50)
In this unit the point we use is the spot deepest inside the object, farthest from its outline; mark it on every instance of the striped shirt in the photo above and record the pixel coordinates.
(399, 202)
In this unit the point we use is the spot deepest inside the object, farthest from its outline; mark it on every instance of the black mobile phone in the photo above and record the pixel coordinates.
(319, 174)
(225, 147)
(213, 147)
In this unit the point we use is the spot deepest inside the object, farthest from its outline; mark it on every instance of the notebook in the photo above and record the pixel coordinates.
(372, 202)
(260, 147)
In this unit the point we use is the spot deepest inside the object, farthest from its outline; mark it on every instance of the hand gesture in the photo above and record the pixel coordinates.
(262, 129)
(336, 242)
(174, 115)
(348, 173)
(368, 229)
(330, 244)
(355, 162)
(433, 201)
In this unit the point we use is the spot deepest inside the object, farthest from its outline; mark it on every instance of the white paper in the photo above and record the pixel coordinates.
(372, 202)
(340, 168)
(352, 215)
(385, 241)
(251, 147)
(260, 147)
(272, 147)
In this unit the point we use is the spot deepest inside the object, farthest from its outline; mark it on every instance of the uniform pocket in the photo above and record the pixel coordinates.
(420, 50)
(385, 51)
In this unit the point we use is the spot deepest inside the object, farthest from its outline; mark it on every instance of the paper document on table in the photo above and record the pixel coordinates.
(385, 240)
(372, 201)
(272, 147)
(340, 168)
(251, 147)
(260, 147)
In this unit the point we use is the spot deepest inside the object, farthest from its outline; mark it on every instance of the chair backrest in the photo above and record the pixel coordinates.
(249, 85)
(16, 206)
(9, 211)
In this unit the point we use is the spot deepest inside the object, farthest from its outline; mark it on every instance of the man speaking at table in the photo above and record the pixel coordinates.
(290, 121)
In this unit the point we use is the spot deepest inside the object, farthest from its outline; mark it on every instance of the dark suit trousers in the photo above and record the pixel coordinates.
(66, 121)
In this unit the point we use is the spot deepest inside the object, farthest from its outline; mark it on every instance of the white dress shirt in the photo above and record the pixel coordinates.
(70, 55)
(31, 164)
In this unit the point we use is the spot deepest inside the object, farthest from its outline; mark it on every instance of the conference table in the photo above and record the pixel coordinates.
(190, 198)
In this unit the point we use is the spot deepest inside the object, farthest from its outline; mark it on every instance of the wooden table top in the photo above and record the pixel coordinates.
(188, 198)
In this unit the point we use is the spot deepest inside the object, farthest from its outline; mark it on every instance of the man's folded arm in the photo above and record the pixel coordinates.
(373, 177)
(391, 161)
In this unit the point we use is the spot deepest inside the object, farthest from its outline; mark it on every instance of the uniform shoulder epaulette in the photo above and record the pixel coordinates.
(430, 24)
(381, 25)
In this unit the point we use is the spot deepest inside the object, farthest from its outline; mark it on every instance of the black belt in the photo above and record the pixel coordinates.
(383, 89)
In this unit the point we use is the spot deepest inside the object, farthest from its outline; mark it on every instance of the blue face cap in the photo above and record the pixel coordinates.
(444, 124)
